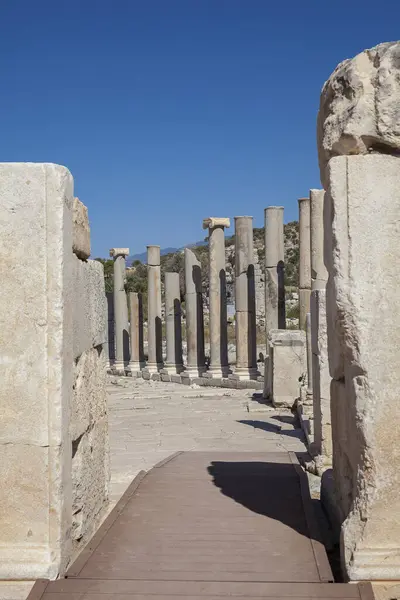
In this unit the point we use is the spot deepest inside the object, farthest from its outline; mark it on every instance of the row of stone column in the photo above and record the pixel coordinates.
(313, 278)
(246, 348)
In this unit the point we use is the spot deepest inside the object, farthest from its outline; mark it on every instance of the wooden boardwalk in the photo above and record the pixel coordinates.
(207, 525)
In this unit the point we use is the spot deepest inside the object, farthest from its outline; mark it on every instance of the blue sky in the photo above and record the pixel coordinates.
(170, 111)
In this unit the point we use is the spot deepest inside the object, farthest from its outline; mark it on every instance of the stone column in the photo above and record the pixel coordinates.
(194, 316)
(110, 330)
(245, 302)
(120, 310)
(154, 320)
(321, 381)
(304, 261)
(274, 269)
(173, 324)
(136, 362)
(359, 115)
(218, 317)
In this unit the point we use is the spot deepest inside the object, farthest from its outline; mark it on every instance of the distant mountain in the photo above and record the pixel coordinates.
(143, 256)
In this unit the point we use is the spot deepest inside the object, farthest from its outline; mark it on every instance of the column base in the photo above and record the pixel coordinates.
(194, 371)
(153, 367)
(119, 367)
(217, 373)
(135, 367)
(243, 374)
(169, 369)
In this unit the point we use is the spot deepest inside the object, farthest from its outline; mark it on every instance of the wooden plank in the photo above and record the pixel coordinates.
(204, 588)
(320, 555)
(100, 534)
(38, 589)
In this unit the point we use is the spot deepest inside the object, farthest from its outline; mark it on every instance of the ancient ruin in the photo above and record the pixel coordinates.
(336, 371)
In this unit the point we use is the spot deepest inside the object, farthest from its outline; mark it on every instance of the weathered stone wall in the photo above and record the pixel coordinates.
(53, 426)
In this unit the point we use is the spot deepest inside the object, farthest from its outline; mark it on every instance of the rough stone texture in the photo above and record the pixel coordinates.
(364, 332)
(90, 452)
(89, 314)
(38, 316)
(81, 230)
(321, 379)
(286, 365)
(359, 109)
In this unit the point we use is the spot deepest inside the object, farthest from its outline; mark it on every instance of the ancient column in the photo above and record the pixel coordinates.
(304, 260)
(136, 362)
(154, 320)
(319, 274)
(274, 268)
(218, 317)
(120, 310)
(194, 316)
(245, 302)
(359, 146)
(321, 380)
(173, 324)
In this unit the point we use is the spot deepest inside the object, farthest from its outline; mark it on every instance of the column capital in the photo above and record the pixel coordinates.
(212, 222)
(114, 252)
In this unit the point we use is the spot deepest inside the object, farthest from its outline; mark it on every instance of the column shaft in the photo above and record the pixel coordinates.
(194, 316)
(120, 309)
(136, 331)
(154, 319)
(173, 323)
(305, 260)
(274, 269)
(218, 310)
(319, 273)
(246, 350)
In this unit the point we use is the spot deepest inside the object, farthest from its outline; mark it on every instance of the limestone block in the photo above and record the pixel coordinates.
(89, 314)
(35, 368)
(39, 319)
(365, 196)
(81, 230)
(287, 365)
(359, 106)
(114, 252)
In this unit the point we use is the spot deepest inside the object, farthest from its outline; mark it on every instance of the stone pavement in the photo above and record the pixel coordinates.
(151, 420)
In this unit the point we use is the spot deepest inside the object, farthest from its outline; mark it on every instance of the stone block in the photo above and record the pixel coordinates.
(89, 314)
(38, 312)
(359, 106)
(365, 196)
(81, 230)
(287, 365)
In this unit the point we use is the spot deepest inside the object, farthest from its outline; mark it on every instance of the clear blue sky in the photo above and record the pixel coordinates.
(169, 111)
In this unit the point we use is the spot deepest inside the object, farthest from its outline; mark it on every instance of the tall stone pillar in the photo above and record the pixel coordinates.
(304, 261)
(274, 269)
(120, 310)
(245, 301)
(154, 319)
(218, 310)
(194, 316)
(173, 324)
(321, 381)
(136, 362)
(359, 114)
